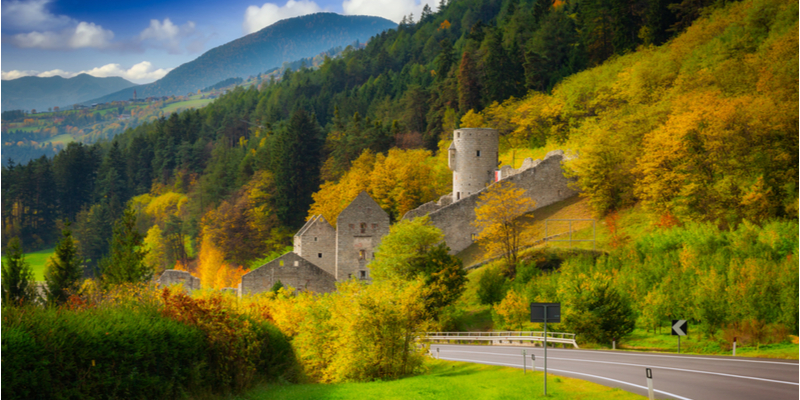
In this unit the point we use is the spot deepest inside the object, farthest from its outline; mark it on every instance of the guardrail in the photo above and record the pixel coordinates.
(503, 337)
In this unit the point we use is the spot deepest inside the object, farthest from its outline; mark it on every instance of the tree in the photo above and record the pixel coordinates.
(18, 284)
(497, 220)
(125, 263)
(599, 313)
(63, 271)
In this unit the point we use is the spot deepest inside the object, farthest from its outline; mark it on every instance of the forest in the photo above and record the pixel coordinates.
(681, 119)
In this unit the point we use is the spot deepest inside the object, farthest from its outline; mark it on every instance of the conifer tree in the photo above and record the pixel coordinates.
(63, 271)
(18, 284)
(125, 262)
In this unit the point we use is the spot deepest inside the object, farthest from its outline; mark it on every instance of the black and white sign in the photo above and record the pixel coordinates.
(679, 327)
(553, 312)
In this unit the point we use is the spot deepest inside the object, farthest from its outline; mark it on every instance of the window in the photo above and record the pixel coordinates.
(363, 274)
(474, 236)
(315, 239)
(458, 195)
(375, 226)
(363, 227)
(479, 153)
(297, 263)
(281, 263)
(362, 254)
(458, 135)
(319, 255)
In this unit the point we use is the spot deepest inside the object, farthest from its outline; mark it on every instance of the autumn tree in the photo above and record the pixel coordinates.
(18, 284)
(497, 220)
(63, 271)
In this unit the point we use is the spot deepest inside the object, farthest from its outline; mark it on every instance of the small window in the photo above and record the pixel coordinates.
(315, 239)
(458, 135)
(319, 255)
(458, 195)
(281, 263)
(474, 237)
(349, 276)
(362, 254)
(363, 274)
(375, 226)
(363, 227)
(479, 153)
(297, 263)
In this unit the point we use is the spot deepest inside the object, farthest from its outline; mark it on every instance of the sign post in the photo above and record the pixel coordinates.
(545, 312)
(679, 328)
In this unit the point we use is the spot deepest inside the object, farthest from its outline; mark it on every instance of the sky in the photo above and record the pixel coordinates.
(143, 40)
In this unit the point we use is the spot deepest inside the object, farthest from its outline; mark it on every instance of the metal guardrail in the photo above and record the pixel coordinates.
(503, 337)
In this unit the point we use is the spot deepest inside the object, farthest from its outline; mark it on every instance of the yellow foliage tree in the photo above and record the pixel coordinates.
(497, 220)
(514, 311)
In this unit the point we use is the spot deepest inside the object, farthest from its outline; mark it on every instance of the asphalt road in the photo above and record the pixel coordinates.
(674, 376)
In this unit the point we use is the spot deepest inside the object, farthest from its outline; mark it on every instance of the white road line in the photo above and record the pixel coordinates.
(637, 365)
(648, 355)
(576, 373)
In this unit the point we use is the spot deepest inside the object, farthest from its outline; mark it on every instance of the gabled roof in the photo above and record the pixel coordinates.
(317, 219)
(363, 200)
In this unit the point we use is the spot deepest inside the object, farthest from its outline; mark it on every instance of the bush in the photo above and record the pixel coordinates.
(491, 286)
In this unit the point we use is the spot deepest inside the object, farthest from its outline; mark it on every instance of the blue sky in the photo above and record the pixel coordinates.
(143, 40)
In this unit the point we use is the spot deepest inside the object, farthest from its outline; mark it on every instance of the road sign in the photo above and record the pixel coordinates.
(553, 312)
(679, 327)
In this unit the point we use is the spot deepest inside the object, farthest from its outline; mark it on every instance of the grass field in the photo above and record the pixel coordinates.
(37, 261)
(63, 139)
(184, 105)
(449, 380)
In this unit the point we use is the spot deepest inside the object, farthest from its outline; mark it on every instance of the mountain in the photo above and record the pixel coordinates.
(33, 92)
(286, 40)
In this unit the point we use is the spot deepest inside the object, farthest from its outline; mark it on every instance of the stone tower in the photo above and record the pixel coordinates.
(473, 158)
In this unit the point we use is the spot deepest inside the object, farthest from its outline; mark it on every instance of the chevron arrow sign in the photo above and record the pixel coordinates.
(679, 327)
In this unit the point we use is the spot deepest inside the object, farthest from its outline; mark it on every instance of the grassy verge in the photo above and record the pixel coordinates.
(449, 380)
(186, 105)
(37, 261)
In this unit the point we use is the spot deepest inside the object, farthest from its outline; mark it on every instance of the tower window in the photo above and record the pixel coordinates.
(479, 153)
(362, 254)
(319, 255)
(315, 239)
(363, 227)
(458, 195)
(363, 274)
(458, 135)
(375, 226)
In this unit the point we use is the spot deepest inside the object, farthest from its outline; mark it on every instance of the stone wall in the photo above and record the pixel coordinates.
(174, 277)
(316, 242)
(359, 229)
(292, 270)
(543, 181)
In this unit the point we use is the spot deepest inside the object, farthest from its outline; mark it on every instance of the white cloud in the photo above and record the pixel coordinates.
(85, 34)
(257, 18)
(142, 72)
(32, 15)
(169, 36)
(389, 9)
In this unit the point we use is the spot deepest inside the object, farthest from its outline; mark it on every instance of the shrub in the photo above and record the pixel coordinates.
(491, 286)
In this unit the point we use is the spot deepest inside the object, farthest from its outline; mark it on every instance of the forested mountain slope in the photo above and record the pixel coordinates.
(703, 126)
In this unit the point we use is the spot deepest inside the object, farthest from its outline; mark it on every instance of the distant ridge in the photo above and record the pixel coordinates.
(33, 92)
(286, 40)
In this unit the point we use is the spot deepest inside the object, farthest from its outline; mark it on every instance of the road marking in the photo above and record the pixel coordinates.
(638, 365)
(644, 355)
(577, 373)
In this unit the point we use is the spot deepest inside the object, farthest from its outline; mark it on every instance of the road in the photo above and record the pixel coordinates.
(684, 377)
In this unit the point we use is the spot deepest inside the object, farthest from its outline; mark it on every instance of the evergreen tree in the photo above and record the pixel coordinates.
(297, 168)
(63, 272)
(125, 262)
(18, 284)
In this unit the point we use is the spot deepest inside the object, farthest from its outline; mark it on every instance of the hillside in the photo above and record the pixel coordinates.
(287, 40)
(32, 92)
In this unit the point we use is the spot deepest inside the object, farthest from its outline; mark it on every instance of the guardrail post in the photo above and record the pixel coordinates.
(649, 374)
(613, 345)
(734, 346)
(533, 362)
(437, 353)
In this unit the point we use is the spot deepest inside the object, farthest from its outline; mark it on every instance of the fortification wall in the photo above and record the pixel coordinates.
(543, 181)
(292, 270)
(175, 277)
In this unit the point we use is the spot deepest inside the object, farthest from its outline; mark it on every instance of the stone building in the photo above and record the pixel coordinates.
(174, 277)
(292, 270)
(359, 229)
(316, 242)
(322, 254)
(473, 157)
